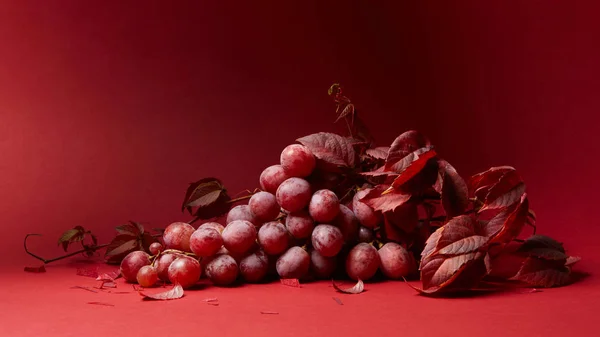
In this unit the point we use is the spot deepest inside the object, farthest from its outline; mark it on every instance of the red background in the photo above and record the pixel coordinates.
(109, 110)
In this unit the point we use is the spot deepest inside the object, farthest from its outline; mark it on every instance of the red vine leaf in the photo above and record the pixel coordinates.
(208, 196)
(405, 217)
(443, 274)
(40, 269)
(509, 223)
(290, 282)
(174, 293)
(484, 180)
(507, 191)
(454, 190)
(110, 276)
(571, 260)
(458, 236)
(543, 247)
(120, 246)
(384, 202)
(72, 235)
(331, 148)
(380, 152)
(410, 166)
(539, 272)
(358, 288)
(132, 228)
(404, 144)
(87, 272)
(393, 232)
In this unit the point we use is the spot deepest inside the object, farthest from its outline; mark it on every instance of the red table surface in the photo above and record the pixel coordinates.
(46, 305)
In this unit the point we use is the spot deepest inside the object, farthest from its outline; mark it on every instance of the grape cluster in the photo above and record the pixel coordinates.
(292, 228)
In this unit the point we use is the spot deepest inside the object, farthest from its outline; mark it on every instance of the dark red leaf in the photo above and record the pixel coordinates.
(543, 273)
(88, 272)
(331, 148)
(72, 235)
(507, 191)
(571, 260)
(147, 240)
(40, 269)
(120, 246)
(387, 202)
(509, 223)
(380, 152)
(404, 144)
(203, 194)
(415, 166)
(218, 208)
(440, 271)
(102, 303)
(488, 178)
(174, 293)
(458, 236)
(290, 282)
(110, 276)
(543, 247)
(454, 191)
(132, 229)
(405, 217)
(358, 288)
(392, 232)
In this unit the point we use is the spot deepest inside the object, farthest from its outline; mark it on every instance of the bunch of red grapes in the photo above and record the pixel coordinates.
(291, 229)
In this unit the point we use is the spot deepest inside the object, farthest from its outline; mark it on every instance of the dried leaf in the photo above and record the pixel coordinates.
(331, 148)
(107, 284)
(338, 301)
(102, 303)
(174, 293)
(454, 190)
(216, 304)
(110, 276)
(72, 235)
(404, 217)
(347, 111)
(358, 288)
(213, 299)
(386, 202)
(543, 273)
(40, 269)
(290, 282)
(404, 144)
(380, 152)
(87, 272)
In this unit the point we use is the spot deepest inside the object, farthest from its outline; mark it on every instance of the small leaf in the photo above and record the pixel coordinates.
(174, 293)
(543, 273)
(331, 148)
(72, 235)
(378, 152)
(84, 288)
(290, 282)
(454, 190)
(386, 202)
(120, 246)
(404, 144)
(358, 288)
(111, 276)
(347, 111)
(543, 247)
(571, 260)
(40, 269)
(203, 193)
(131, 229)
(486, 179)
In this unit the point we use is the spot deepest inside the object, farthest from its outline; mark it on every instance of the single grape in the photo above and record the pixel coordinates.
(294, 263)
(264, 205)
(155, 248)
(293, 194)
(362, 262)
(177, 236)
(299, 224)
(214, 225)
(239, 236)
(273, 238)
(272, 177)
(162, 266)
(396, 261)
(205, 241)
(322, 267)
(348, 224)
(255, 266)
(147, 276)
(324, 205)
(364, 213)
(185, 271)
(222, 270)
(242, 212)
(365, 234)
(297, 161)
(132, 263)
(327, 240)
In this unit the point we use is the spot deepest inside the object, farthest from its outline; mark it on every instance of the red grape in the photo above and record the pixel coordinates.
(255, 266)
(322, 267)
(239, 236)
(272, 177)
(185, 271)
(299, 224)
(242, 212)
(177, 236)
(364, 213)
(365, 234)
(293, 194)
(273, 238)
(294, 263)
(327, 240)
(362, 262)
(155, 248)
(396, 261)
(132, 263)
(264, 206)
(297, 161)
(147, 276)
(348, 224)
(222, 270)
(205, 241)
(324, 206)
(162, 266)
(214, 225)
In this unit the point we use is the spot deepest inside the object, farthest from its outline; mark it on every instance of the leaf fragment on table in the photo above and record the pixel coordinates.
(269, 312)
(84, 288)
(338, 301)
(102, 303)
(88, 272)
(174, 293)
(212, 299)
(291, 282)
(40, 269)
(358, 288)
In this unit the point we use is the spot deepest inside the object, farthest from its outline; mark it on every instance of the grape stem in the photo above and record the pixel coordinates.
(239, 199)
(46, 261)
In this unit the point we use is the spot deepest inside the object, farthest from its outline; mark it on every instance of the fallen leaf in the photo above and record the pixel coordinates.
(216, 304)
(543, 273)
(40, 269)
(290, 282)
(110, 276)
(269, 312)
(88, 272)
(214, 299)
(108, 284)
(338, 301)
(102, 303)
(174, 293)
(358, 288)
